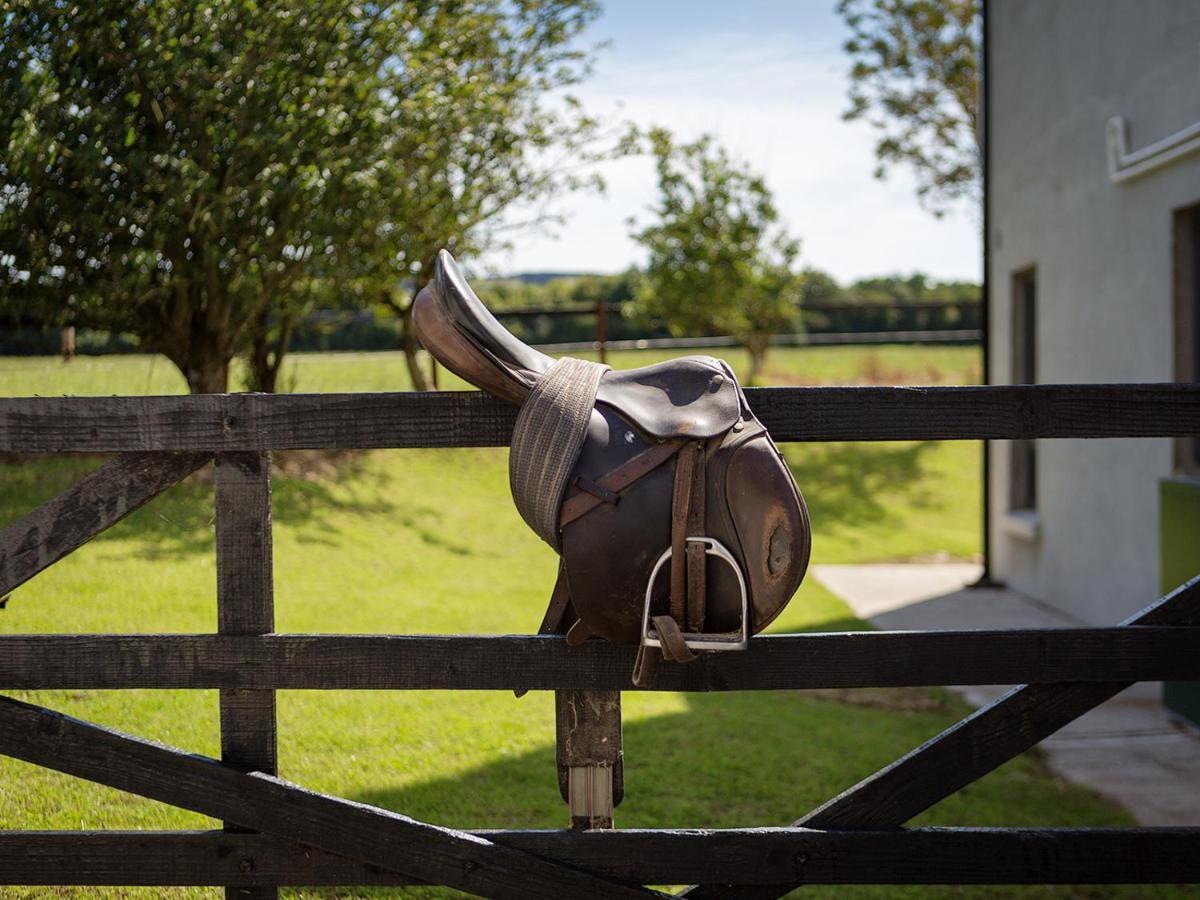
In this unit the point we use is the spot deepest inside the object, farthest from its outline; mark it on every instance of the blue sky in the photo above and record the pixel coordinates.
(768, 78)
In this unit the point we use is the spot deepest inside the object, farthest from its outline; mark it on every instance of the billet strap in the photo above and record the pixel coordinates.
(556, 611)
(697, 559)
(547, 440)
(681, 499)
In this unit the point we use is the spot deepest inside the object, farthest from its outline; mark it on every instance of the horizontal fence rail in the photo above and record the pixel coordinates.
(222, 422)
(460, 662)
(940, 336)
(767, 856)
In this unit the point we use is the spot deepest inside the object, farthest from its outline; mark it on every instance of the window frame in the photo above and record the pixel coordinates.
(1023, 349)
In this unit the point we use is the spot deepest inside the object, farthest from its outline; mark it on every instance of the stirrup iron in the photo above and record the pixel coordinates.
(724, 640)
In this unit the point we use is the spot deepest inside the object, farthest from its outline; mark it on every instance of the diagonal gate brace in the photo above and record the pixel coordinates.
(96, 502)
(355, 830)
(969, 749)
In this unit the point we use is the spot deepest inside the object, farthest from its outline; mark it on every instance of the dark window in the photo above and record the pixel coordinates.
(1186, 276)
(1022, 492)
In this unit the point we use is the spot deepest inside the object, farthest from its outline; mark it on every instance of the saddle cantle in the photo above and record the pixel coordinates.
(632, 475)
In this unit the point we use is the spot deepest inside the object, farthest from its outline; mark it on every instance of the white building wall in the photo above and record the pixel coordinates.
(1102, 250)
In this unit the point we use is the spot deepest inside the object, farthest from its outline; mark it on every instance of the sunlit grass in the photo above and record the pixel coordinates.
(324, 372)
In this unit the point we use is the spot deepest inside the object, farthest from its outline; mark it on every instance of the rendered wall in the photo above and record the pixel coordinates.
(1103, 254)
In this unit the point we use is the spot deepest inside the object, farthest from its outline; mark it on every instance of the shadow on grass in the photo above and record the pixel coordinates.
(180, 521)
(852, 483)
(755, 759)
(729, 760)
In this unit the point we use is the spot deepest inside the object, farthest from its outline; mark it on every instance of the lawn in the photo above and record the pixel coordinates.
(428, 541)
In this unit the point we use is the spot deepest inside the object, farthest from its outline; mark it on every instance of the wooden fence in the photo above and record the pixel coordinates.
(278, 833)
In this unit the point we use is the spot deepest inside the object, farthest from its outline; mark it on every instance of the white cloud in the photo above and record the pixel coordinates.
(777, 104)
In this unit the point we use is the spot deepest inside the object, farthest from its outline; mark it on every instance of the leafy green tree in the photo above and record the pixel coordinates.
(718, 258)
(914, 288)
(201, 174)
(915, 77)
(483, 140)
(817, 286)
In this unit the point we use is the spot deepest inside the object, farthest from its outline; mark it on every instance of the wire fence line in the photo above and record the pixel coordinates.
(942, 336)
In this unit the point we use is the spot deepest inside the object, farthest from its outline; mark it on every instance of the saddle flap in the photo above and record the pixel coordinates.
(690, 397)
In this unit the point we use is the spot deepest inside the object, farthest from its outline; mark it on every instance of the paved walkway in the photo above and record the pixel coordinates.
(1128, 749)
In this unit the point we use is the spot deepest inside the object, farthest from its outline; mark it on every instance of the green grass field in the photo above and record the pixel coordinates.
(428, 541)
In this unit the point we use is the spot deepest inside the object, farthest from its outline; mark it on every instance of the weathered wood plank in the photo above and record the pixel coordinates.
(98, 501)
(464, 662)
(245, 606)
(254, 422)
(757, 856)
(589, 755)
(973, 747)
(457, 419)
(359, 832)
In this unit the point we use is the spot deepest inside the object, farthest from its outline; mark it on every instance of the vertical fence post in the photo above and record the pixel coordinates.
(602, 331)
(245, 605)
(589, 755)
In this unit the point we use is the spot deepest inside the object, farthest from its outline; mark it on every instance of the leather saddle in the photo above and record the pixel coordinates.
(679, 526)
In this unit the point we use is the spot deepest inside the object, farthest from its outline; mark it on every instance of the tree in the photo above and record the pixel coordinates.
(718, 258)
(483, 141)
(818, 287)
(200, 174)
(915, 78)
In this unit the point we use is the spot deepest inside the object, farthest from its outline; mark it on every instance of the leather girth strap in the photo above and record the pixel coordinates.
(687, 568)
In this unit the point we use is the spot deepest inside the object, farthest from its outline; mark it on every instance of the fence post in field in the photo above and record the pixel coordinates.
(245, 605)
(602, 330)
(589, 755)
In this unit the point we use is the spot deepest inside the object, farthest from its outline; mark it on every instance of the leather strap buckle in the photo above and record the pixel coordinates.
(725, 640)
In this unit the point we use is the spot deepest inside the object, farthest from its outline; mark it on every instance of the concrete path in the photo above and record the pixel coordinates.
(1129, 749)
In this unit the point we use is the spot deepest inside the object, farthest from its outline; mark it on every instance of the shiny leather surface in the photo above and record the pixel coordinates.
(690, 397)
(752, 504)
(473, 318)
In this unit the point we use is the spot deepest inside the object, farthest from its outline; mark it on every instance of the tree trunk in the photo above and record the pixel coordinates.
(267, 351)
(206, 375)
(756, 346)
(408, 341)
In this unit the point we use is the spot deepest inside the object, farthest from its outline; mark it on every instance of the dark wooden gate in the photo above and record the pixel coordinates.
(278, 833)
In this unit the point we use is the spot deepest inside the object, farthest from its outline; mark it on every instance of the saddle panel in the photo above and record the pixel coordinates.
(770, 518)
